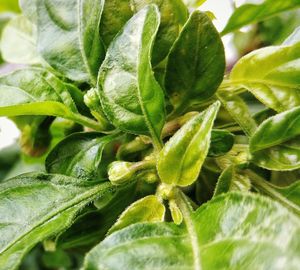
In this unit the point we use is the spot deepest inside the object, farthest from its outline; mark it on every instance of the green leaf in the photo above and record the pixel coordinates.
(234, 231)
(221, 143)
(196, 63)
(9, 5)
(238, 110)
(29, 9)
(275, 145)
(232, 180)
(43, 206)
(250, 13)
(68, 37)
(181, 159)
(130, 95)
(173, 15)
(148, 209)
(194, 3)
(292, 192)
(36, 91)
(276, 82)
(79, 155)
(18, 42)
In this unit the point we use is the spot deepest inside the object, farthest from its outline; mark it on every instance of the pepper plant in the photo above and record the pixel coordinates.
(155, 157)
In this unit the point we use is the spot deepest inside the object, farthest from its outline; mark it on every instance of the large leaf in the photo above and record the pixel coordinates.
(68, 37)
(233, 231)
(35, 91)
(79, 155)
(130, 95)
(276, 82)
(251, 13)
(181, 159)
(36, 206)
(276, 145)
(173, 15)
(18, 42)
(196, 63)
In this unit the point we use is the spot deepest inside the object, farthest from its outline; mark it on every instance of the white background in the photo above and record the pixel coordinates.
(222, 10)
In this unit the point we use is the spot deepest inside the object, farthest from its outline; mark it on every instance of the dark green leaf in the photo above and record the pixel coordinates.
(275, 145)
(181, 159)
(43, 205)
(221, 143)
(79, 155)
(233, 231)
(68, 37)
(196, 63)
(130, 95)
(251, 13)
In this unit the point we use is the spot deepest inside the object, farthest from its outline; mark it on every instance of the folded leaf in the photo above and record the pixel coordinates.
(181, 159)
(79, 155)
(276, 143)
(251, 13)
(233, 231)
(36, 91)
(196, 63)
(148, 209)
(18, 42)
(43, 206)
(68, 37)
(130, 95)
(276, 83)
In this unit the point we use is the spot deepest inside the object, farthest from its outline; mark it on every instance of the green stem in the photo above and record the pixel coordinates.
(265, 187)
(187, 210)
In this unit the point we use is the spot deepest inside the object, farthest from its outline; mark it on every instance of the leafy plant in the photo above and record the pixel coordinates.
(154, 157)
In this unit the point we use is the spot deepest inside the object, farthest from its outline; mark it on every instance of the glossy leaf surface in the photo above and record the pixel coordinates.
(251, 13)
(79, 155)
(276, 82)
(275, 144)
(196, 63)
(18, 42)
(148, 209)
(130, 95)
(68, 37)
(43, 205)
(249, 232)
(181, 159)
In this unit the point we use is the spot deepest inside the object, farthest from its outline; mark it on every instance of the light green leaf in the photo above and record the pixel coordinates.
(43, 206)
(9, 6)
(148, 209)
(276, 82)
(251, 13)
(181, 159)
(238, 110)
(292, 192)
(233, 231)
(29, 9)
(18, 42)
(36, 91)
(194, 3)
(196, 63)
(79, 155)
(232, 180)
(276, 145)
(68, 37)
(130, 95)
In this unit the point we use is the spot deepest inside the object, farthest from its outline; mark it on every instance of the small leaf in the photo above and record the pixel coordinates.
(18, 42)
(9, 6)
(68, 37)
(148, 209)
(175, 212)
(251, 13)
(275, 144)
(196, 63)
(233, 231)
(130, 95)
(79, 155)
(43, 206)
(276, 82)
(232, 180)
(221, 143)
(181, 159)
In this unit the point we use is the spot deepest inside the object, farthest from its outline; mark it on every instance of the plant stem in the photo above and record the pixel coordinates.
(265, 187)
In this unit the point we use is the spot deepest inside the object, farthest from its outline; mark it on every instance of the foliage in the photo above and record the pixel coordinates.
(138, 149)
